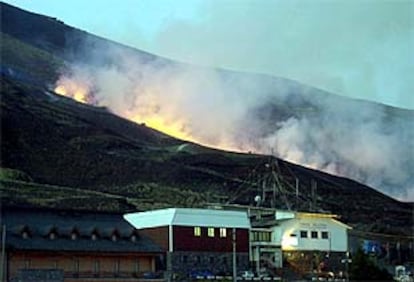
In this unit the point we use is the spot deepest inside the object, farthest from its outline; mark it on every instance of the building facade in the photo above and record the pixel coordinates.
(300, 241)
(197, 240)
(307, 242)
(53, 245)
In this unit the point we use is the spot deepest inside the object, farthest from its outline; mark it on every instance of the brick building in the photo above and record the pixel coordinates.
(197, 239)
(50, 245)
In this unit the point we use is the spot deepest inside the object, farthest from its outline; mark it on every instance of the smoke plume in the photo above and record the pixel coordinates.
(368, 142)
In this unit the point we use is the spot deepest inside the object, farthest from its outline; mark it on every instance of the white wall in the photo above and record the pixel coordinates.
(337, 234)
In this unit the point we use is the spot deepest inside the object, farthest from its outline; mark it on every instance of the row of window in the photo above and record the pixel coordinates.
(314, 234)
(211, 259)
(260, 236)
(74, 235)
(96, 265)
(211, 232)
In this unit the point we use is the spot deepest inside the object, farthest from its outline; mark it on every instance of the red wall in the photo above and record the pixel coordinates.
(184, 240)
(158, 234)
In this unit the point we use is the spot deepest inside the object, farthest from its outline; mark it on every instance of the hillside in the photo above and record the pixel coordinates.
(60, 153)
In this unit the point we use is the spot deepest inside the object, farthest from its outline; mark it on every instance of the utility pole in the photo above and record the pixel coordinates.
(3, 250)
(297, 192)
(234, 255)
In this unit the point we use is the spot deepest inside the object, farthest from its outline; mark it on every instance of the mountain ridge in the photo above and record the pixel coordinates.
(60, 142)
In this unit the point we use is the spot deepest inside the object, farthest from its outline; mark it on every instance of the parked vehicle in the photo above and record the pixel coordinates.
(246, 274)
(200, 274)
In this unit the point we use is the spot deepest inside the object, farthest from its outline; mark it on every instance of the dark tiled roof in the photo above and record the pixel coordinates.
(40, 223)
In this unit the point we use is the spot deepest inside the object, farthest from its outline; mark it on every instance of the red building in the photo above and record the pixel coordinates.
(197, 239)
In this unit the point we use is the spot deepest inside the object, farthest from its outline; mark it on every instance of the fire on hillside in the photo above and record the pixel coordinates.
(79, 91)
(148, 113)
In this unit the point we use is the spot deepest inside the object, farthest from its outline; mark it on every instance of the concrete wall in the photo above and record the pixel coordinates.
(218, 263)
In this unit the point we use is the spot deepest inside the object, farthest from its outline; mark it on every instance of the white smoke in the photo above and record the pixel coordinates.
(248, 112)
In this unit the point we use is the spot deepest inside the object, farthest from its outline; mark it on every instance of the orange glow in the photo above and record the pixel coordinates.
(69, 88)
(175, 129)
(153, 110)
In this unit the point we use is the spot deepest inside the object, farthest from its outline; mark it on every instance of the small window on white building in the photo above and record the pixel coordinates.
(197, 231)
(303, 234)
(210, 232)
(325, 235)
(314, 234)
(223, 232)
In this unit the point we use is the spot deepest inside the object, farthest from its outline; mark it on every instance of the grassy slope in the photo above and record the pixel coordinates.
(29, 62)
(101, 158)
(87, 157)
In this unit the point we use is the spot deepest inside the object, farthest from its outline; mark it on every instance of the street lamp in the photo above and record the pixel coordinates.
(234, 255)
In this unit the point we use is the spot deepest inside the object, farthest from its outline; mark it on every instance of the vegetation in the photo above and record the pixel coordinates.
(28, 62)
(67, 154)
(364, 269)
(13, 174)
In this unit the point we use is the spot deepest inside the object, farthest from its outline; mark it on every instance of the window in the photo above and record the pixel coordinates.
(136, 266)
(264, 236)
(114, 237)
(314, 234)
(94, 236)
(117, 266)
(52, 235)
(303, 234)
(27, 263)
(133, 238)
(184, 258)
(223, 232)
(261, 236)
(96, 266)
(75, 265)
(197, 231)
(210, 232)
(25, 235)
(73, 235)
(325, 235)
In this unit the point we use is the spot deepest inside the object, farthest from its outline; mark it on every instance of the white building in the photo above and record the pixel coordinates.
(286, 233)
(298, 231)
